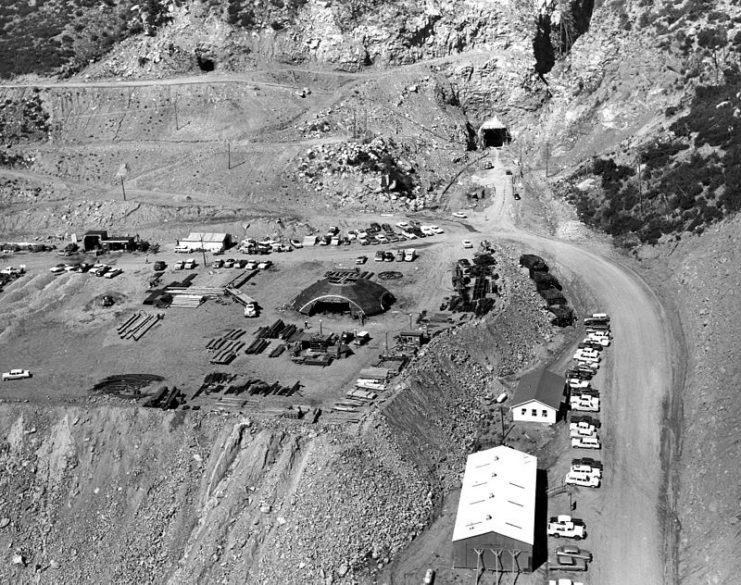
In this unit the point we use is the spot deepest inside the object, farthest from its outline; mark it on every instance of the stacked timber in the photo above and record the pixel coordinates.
(137, 325)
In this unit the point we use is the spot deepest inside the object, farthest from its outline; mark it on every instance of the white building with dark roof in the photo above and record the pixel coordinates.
(495, 526)
(539, 398)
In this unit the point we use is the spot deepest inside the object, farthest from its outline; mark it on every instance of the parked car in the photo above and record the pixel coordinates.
(379, 257)
(459, 214)
(586, 443)
(100, 270)
(296, 244)
(402, 224)
(361, 259)
(381, 238)
(190, 264)
(113, 273)
(251, 265)
(399, 257)
(467, 244)
(58, 268)
(216, 264)
(179, 265)
(265, 264)
(229, 263)
(16, 375)
(586, 466)
(588, 461)
(570, 550)
(388, 256)
(429, 577)
(159, 265)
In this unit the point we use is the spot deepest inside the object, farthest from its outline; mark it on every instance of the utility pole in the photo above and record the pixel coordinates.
(228, 155)
(177, 125)
(501, 418)
(203, 251)
(387, 342)
(640, 188)
(547, 157)
(121, 174)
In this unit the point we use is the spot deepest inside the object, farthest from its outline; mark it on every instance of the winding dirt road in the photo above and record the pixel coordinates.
(626, 517)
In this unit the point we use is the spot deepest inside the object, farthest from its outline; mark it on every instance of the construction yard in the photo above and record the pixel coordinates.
(198, 417)
(84, 341)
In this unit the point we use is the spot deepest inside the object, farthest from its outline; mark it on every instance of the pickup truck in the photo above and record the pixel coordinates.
(582, 479)
(567, 527)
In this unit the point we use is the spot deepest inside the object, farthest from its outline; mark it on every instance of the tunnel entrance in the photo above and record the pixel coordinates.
(493, 134)
(205, 63)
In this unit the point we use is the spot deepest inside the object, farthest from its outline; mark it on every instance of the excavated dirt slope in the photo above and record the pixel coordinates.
(706, 281)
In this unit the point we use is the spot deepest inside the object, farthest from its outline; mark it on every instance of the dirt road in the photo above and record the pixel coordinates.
(625, 517)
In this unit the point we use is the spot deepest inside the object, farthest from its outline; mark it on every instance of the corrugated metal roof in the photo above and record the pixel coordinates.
(217, 238)
(498, 495)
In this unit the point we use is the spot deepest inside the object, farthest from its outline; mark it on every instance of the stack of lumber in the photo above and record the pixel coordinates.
(187, 301)
(137, 325)
(226, 347)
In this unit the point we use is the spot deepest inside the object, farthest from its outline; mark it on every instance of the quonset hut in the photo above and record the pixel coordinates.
(495, 526)
(359, 297)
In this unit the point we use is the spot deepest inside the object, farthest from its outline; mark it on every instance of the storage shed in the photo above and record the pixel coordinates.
(495, 525)
(539, 398)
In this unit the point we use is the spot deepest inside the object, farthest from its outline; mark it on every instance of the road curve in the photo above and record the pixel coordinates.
(625, 518)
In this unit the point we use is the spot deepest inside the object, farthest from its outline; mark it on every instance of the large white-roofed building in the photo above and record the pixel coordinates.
(495, 526)
(211, 242)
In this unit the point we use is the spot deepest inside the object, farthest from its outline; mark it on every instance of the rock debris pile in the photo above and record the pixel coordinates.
(378, 169)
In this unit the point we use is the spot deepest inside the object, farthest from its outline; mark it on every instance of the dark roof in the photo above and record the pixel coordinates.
(541, 385)
(99, 233)
(362, 295)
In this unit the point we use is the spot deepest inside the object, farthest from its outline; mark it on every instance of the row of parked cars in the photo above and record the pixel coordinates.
(241, 263)
(99, 269)
(583, 433)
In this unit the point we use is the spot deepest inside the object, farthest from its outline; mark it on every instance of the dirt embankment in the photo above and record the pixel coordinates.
(706, 281)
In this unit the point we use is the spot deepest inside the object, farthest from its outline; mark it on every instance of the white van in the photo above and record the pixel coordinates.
(182, 249)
